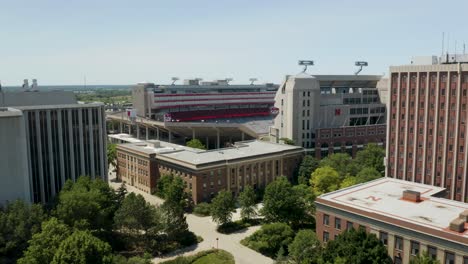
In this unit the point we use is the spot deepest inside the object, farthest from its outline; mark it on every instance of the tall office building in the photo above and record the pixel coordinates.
(51, 138)
(427, 140)
(331, 113)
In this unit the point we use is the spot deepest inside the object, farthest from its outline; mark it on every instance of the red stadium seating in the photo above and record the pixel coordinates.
(219, 113)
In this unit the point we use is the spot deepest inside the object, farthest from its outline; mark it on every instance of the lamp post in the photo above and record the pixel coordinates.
(360, 64)
(305, 63)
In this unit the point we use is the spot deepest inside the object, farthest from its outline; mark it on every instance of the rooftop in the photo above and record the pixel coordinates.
(383, 197)
(197, 157)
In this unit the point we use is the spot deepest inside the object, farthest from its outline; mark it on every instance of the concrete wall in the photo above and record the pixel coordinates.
(14, 182)
(21, 98)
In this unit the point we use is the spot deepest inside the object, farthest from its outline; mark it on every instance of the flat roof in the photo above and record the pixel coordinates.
(195, 157)
(243, 149)
(384, 197)
(124, 137)
(58, 106)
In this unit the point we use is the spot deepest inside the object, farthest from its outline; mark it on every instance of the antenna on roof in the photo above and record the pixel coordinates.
(229, 80)
(443, 42)
(305, 63)
(361, 64)
(174, 79)
(252, 80)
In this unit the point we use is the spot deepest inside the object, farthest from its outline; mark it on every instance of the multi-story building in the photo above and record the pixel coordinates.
(407, 217)
(331, 113)
(206, 172)
(54, 139)
(427, 140)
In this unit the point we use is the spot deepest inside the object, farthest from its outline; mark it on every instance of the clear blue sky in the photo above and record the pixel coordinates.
(123, 42)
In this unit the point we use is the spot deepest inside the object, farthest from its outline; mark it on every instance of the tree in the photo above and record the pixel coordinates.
(121, 193)
(270, 239)
(247, 201)
(82, 247)
(348, 181)
(43, 245)
(281, 203)
(135, 215)
(163, 185)
(424, 258)
(112, 156)
(371, 156)
(308, 165)
(287, 141)
(305, 247)
(356, 246)
(341, 163)
(18, 222)
(222, 206)
(87, 203)
(367, 174)
(306, 196)
(195, 143)
(325, 179)
(174, 193)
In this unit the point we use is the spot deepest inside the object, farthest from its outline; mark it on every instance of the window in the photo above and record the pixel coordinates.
(414, 248)
(449, 258)
(383, 237)
(349, 225)
(326, 219)
(338, 223)
(432, 252)
(465, 260)
(326, 236)
(398, 243)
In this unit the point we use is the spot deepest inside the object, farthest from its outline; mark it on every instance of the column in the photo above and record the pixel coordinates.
(91, 142)
(39, 151)
(102, 142)
(138, 132)
(50, 154)
(170, 136)
(71, 144)
(218, 143)
(121, 126)
(242, 136)
(147, 133)
(80, 125)
(193, 133)
(61, 132)
(157, 133)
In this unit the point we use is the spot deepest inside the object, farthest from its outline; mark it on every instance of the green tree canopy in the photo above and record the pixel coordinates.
(112, 155)
(341, 163)
(305, 248)
(175, 194)
(287, 141)
(281, 202)
(308, 165)
(247, 201)
(367, 174)
(135, 215)
(82, 247)
(163, 185)
(270, 239)
(355, 247)
(18, 222)
(325, 179)
(195, 143)
(372, 156)
(424, 258)
(348, 181)
(222, 206)
(43, 245)
(89, 203)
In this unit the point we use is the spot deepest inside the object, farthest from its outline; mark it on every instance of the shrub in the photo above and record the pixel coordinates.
(270, 239)
(202, 209)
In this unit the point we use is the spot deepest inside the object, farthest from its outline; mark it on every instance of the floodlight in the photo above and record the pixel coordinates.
(252, 80)
(174, 79)
(305, 63)
(361, 64)
(229, 80)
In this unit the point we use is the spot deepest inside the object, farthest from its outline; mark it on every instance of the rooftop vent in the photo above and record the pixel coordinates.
(464, 216)
(412, 196)
(457, 225)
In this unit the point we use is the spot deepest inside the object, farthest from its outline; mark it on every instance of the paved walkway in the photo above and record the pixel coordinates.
(204, 227)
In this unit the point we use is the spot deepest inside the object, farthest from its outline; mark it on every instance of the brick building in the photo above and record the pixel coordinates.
(427, 125)
(407, 217)
(206, 172)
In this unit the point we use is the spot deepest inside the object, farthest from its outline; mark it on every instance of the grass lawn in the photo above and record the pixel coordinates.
(213, 256)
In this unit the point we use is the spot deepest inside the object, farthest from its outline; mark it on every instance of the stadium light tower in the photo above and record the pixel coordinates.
(252, 80)
(174, 79)
(360, 64)
(229, 80)
(305, 63)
